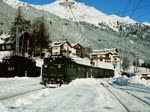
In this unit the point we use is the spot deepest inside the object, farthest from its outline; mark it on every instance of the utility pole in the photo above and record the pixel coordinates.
(17, 40)
(67, 3)
(136, 56)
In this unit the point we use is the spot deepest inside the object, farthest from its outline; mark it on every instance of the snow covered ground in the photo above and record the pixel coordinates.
(81, 95)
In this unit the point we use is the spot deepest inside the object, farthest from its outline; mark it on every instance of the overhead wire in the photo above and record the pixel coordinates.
(76, 21)
(126, 6)
(130, 10)
(138, 4)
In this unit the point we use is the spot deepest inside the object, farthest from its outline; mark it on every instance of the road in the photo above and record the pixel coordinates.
(81, 96)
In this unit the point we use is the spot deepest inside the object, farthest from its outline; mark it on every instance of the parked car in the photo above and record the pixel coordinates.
(128, 74)
(145, 76)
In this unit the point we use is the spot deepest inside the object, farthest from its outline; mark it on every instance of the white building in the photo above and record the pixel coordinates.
(105, 55)
(61, 48)
(66, 49)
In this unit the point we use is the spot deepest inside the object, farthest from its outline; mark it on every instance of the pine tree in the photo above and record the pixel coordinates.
(18, 29)
(40, 35)
(20, 22)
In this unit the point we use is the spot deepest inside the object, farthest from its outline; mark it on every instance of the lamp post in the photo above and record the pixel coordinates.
(92, 67)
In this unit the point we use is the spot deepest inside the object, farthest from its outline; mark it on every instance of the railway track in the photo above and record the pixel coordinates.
(107, 85)
(20, 93)
(135, 96)
(131, 94)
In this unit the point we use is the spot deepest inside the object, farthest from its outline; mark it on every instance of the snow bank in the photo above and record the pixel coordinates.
(136, 80)
(122, 81)
(87, 81)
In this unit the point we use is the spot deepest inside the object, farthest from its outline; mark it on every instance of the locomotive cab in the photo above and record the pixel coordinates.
(54, 69)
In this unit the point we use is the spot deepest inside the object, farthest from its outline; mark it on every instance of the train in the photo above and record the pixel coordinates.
(12, 66)
(60, 69)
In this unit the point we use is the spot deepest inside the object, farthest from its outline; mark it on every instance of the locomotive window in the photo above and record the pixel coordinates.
(11, 68)
(59, 66)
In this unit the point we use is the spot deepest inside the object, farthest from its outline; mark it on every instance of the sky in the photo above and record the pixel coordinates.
(139, 10)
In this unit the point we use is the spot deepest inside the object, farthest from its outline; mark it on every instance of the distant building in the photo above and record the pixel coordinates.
(66, 49)
(77, 50)
(9, 43)
(105, 55)
(61, 48)
(6, 46)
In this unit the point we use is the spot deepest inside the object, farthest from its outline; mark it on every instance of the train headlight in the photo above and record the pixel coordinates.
(59, 66)
(45, 66)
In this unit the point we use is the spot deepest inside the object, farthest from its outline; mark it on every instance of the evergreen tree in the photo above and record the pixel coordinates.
(18, 29)
(21, 23)
(40, 35)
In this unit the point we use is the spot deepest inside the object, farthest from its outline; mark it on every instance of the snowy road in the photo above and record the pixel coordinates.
(84, 95)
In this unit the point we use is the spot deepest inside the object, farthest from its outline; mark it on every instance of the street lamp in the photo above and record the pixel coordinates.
(92, 67)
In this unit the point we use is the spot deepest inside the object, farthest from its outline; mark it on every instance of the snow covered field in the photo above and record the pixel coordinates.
(81, 95)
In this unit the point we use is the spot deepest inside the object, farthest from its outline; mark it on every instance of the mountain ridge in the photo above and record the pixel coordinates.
(90, 35)
(81, 13)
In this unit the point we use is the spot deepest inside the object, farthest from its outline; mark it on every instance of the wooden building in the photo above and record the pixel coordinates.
(77, 50)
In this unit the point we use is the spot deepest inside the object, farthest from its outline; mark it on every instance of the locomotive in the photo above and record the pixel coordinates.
(20, 66)
(59, 69)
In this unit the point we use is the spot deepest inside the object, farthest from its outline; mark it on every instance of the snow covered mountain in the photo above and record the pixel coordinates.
(94, 30)
(85, 13)
(79, 12)
(14, 3)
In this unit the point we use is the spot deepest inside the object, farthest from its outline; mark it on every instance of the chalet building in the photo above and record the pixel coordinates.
(10, 44)
(61, 48)
(77, 50)
(6, 46)
(66, 49)
(105, 55)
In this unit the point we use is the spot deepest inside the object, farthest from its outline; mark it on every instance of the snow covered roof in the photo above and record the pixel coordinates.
(86, 61)
(112, 50)
(73, 45)
(3, 37)
(59, 43)
(101, 53)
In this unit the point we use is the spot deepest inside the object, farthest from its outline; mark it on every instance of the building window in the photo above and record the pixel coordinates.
(8, 47)
(3, 47)
(55, 48)
(101, 59)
